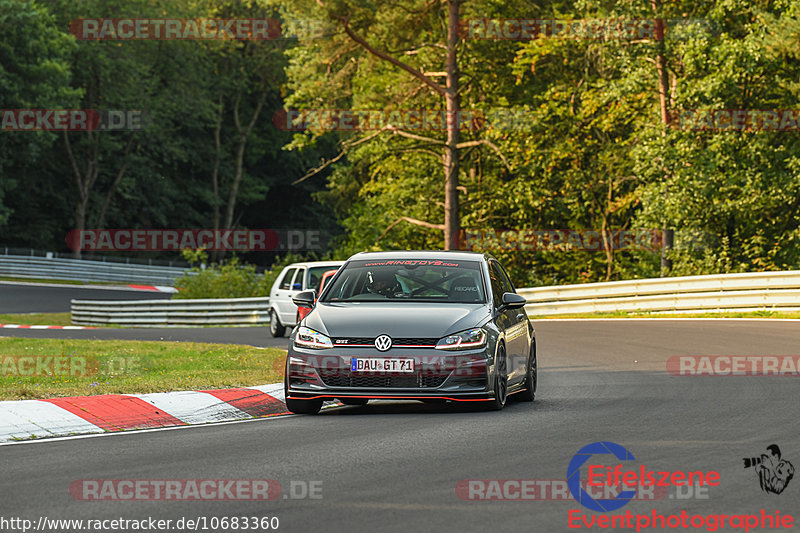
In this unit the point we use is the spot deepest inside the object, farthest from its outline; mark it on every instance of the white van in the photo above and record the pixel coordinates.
(293, 279)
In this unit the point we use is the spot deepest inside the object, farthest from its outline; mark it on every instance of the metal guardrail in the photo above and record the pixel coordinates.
(172, 313)
(724, 292)
(33, 267)
(753, 291)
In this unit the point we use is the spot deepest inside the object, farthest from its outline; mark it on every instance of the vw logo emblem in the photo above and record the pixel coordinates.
(383, 342)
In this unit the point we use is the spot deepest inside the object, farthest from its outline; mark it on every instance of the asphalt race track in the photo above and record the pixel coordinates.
(395, 466)
(47, 298)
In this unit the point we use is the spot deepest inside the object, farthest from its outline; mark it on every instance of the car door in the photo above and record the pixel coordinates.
(281, 297)
(521, 331)
(515, 323)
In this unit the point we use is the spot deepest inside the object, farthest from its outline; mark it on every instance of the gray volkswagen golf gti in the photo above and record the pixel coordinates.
(430, 326)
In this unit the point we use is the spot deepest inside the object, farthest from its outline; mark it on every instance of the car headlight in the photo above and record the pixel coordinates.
(310, 338)
(463, 340)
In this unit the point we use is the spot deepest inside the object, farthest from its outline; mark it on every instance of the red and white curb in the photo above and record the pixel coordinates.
(22, 326)
(55, 417)
(153, 288)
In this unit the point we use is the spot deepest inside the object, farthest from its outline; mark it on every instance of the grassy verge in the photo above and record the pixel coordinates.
(46, 368)
(37, 319)
(623, 314)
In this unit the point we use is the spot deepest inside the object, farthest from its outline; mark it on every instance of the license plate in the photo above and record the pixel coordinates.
(381, 364)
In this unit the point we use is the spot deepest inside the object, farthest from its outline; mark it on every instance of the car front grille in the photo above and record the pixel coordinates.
(400, 341)
(390, 382)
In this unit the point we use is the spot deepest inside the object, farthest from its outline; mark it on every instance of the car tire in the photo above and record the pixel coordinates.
(354, 401)
(531, 378)
(500, 380)
(304, 407)
(276, 329)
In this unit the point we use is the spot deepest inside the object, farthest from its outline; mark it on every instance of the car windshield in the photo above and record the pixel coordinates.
(315, 276)
(422, 280)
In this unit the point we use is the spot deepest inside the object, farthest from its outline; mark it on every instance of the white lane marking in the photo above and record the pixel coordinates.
(193, 407)
(25, 418)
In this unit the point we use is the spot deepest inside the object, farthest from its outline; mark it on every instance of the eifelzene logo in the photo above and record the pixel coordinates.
(774, 473)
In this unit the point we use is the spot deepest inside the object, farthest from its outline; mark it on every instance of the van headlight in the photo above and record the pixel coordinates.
(463, 340)
(309, 338)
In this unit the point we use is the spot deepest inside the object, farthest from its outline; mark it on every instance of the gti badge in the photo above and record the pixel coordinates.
(383, 342)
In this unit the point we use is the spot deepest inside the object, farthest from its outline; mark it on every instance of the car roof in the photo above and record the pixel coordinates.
(316, 264)
(456, 255)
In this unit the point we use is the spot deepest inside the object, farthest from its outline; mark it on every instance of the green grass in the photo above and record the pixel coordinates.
(37, 319)
(624, 314)
(93, 367)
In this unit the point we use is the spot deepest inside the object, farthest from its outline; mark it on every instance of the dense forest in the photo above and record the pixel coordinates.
(418, 124)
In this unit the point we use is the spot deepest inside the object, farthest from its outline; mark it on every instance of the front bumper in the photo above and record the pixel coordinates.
(326, 374)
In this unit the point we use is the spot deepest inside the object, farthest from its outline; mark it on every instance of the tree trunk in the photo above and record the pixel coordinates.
(101, 219)
(663, 95)
(217, 158)
(452, 223)
(244, 133)
(84, 181)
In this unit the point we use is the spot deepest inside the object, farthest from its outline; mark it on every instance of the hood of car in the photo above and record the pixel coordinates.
(404, 319)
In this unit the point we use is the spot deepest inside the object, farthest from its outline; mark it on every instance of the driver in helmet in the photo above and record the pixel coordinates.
(383, 282)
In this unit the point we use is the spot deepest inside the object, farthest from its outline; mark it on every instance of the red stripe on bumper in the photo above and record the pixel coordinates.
(374, 397)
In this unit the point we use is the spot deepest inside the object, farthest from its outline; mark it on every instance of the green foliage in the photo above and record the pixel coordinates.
(229, 280)
(590, 152)
(34, 74)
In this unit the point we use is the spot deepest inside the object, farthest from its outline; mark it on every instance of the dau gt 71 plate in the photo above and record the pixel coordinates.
(381, 364)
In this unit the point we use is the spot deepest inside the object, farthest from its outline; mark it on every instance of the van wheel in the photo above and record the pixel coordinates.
(276, 329)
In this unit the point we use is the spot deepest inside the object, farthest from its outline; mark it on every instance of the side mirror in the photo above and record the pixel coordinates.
(304, 299)
(512, 301)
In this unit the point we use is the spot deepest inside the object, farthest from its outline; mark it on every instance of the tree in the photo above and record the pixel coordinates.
(384, 34)
(34, 74)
